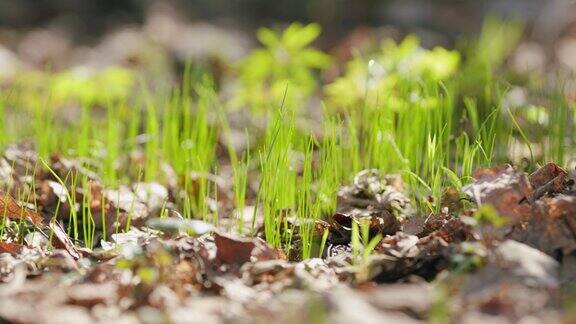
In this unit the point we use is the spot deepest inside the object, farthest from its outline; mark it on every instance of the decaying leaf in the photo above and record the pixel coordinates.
(503, 187)
(11, 209)
(374, 192)
(374, 197)
(61, 240)
(550, 227)
(10, 247)
(545, 174)
(402, 255)
(234, 250)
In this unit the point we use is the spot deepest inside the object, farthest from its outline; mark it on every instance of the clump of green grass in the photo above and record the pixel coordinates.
(278, 177)
(330, 172)
(240, 171)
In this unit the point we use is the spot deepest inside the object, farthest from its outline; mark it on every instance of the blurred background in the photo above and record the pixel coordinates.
(56, 34)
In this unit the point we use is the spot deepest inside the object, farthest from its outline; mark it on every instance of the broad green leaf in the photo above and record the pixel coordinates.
(267, 37)
(314, 58)
(297, 37)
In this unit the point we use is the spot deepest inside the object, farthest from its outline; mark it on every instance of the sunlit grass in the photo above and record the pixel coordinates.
(432, 122)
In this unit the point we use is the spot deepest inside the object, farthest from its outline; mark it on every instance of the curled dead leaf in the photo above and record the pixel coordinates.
(504, 188)
(234, 250)
(61, 240)
(10, 208)
(546, 174)
(549, 179)
(11, 247)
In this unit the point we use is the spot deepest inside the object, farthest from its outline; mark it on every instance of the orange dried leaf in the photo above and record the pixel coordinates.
(10, 247)
(10, 208)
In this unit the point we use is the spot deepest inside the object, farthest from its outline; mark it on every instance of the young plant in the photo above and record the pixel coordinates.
(278, 177)
(152, 129)
(88, 224)
(71, 199)
(362, 244)
(384, 77)
(330, 170)
(190, 142)
(240, 184)
(307, 209)
(285, 58)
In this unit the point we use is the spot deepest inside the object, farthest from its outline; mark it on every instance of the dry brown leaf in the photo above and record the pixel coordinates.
(10, 247)
(504, 188)
(235, 250)
(550, 227)
(62, 241)
(549, 179)
(546, 174)
(11, 209)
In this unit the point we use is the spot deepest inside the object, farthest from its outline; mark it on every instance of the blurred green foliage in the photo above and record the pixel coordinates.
(286, 60)
(73, 86)
(115, 83)
(385, 77)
